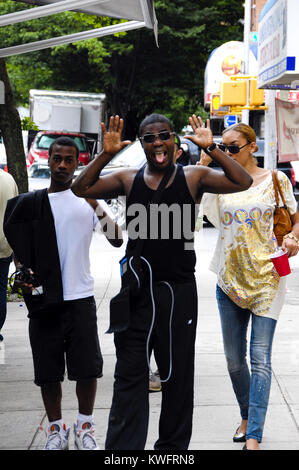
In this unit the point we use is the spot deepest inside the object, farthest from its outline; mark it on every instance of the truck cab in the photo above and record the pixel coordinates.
(39, 149)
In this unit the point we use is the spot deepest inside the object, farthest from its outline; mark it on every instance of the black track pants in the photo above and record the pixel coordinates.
(129, 414)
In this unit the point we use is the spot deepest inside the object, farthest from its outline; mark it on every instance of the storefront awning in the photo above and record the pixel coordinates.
(139, 13)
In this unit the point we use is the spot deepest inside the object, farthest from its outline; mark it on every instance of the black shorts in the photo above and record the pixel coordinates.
(68, 336)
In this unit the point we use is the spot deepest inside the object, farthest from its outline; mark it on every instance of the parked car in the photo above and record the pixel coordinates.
(39, 175)
(39, 149)
(191, 151)
(131, 156)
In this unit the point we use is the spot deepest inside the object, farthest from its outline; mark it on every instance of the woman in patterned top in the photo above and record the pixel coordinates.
(248, 285)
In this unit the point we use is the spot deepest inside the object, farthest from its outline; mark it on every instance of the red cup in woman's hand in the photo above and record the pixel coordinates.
(280, 260)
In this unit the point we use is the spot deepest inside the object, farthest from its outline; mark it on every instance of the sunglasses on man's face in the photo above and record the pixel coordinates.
(231, 148)
(150, 138)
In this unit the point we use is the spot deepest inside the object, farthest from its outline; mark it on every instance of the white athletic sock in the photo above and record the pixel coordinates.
(81, 419)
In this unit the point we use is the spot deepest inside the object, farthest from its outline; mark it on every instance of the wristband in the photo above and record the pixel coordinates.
(211, 148)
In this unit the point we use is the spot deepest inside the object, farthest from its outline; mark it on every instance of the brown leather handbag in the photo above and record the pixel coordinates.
(282, 219)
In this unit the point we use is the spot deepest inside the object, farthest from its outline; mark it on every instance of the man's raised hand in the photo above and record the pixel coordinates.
(112, 137)
(203, 136)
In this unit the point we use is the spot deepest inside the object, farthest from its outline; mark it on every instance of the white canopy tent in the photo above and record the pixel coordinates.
(140, 13)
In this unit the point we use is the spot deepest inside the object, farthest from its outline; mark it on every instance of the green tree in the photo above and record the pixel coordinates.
(169, 79)
(137, 77)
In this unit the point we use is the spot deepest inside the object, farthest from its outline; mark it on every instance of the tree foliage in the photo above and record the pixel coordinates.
(137, 77)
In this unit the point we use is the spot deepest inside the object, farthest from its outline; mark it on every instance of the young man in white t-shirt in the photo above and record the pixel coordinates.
(69, 334)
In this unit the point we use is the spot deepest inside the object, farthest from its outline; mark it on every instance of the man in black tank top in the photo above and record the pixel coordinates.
(163, 315)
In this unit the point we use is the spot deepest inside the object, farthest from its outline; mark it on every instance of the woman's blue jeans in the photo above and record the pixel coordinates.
(252, 391)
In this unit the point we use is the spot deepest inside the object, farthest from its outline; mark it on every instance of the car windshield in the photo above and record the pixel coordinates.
(131, 156)
(37, 171)
(45, 140)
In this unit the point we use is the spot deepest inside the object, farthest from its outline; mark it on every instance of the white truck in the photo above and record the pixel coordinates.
(68, 111)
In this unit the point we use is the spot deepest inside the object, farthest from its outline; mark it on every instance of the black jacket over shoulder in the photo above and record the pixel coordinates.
(30, 231)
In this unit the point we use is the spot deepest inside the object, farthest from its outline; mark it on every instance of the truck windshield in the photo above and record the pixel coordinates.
(45, 141)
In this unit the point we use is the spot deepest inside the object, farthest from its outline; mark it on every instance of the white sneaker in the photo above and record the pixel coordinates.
(57, 438)
(155, 382)
(84, 437)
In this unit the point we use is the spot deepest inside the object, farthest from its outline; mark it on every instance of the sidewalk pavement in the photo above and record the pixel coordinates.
(216, 414)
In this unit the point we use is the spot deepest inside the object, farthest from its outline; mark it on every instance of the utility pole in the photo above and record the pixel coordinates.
(247, 24)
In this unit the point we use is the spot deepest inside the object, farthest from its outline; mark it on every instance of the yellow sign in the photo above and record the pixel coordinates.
(215, 102)
(233, 93)
(215, 108)
(256, 95)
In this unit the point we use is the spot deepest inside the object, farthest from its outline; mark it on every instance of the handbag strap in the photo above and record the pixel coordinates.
(277, 188)
(155, 200)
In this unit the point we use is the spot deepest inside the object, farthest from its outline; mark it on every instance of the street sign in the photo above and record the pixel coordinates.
(278, 48)
(230, 120)
(215, 108)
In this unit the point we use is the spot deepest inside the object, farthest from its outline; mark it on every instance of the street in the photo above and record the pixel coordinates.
(216, 414)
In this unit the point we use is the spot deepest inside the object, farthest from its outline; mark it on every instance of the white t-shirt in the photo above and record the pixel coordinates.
(74, 222)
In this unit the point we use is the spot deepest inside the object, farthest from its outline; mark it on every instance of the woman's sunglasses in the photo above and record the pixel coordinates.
(150, 138)
(231, 148)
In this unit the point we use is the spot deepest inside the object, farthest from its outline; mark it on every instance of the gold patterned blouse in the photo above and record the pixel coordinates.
(246, 241)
